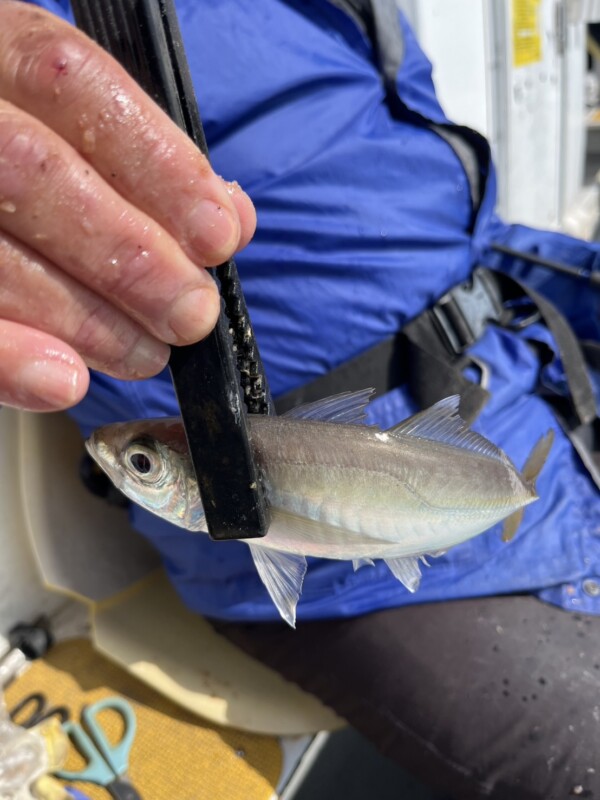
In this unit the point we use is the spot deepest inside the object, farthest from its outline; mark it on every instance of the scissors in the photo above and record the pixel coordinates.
(106, 763)
(38, 712)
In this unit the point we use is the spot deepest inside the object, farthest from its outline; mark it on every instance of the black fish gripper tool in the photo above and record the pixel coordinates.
(220, 380)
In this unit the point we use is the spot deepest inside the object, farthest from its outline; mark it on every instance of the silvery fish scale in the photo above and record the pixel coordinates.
(338, 489)
(395, 493)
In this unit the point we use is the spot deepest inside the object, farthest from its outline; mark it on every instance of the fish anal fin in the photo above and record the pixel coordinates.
(348, 408)
(406, 570)
(511, 524)
(442, 423)
(537, 459)
(282, 575)
(357, 563)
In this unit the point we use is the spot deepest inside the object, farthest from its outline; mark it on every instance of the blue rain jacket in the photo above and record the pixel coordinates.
(363, 223)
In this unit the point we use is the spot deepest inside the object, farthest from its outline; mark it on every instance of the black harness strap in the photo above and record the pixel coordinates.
(430, 353)
(439, 337)
(591, 351)
(571, 354)
(577, 413)
(382, 367)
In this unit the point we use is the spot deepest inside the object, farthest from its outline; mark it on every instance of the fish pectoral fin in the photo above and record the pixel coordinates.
(406, 570)
(357, 563)
(282, 575)
(317, 531)
(511, 524)
(348, 408)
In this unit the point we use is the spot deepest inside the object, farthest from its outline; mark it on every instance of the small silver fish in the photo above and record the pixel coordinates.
(338, 488)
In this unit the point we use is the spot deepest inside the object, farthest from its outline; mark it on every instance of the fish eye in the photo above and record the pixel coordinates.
(143, 460)
(141, 463)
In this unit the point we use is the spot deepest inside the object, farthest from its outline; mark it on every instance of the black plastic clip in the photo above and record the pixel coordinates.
(462, 314)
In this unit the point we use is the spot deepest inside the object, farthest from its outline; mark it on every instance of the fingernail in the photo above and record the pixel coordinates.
(214, 232)
(54, 382)
(194, 314)
(149, 357)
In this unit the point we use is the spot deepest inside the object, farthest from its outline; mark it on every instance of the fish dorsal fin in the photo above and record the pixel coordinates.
(442, 423)
(282, 575)
(348, 408)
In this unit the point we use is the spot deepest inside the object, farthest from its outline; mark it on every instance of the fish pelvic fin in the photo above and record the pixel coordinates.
(406, 570)
(283, 576)
(348, 408)
(537, 459)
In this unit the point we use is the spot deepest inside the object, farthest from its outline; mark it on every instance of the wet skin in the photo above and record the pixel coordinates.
(108, 217)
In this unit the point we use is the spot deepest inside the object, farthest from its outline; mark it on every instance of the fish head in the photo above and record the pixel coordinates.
(149, 462)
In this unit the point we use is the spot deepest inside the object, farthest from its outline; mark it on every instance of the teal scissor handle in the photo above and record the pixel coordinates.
(116, 756)
(97, 770)
(105, 760)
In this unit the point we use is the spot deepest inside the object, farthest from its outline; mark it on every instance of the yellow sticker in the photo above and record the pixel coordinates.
(527, 40)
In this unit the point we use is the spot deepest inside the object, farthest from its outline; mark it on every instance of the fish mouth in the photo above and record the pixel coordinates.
(90, 446)
(103, 457)
(95, 449)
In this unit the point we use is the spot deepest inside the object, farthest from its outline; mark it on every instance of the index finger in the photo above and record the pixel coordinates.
(54, 72)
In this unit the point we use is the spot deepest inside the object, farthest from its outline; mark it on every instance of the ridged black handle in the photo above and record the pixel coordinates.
(219, 378)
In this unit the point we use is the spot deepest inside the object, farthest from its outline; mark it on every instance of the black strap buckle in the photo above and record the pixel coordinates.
(462, 314)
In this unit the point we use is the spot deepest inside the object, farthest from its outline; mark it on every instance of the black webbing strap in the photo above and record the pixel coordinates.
(438, 338)
(569, 350)
(591, 351)
(585, 437)
(382, 367)
(430, 353)
(577, 413)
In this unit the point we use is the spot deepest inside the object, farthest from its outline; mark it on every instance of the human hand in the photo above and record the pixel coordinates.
(108, 216)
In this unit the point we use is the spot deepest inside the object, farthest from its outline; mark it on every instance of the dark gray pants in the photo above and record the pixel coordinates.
(487, 698)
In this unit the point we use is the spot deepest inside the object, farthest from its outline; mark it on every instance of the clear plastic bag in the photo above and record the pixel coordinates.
(22, 758)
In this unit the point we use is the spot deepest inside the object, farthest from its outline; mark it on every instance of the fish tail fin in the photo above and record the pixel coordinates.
(511, 524)
(533, 467)
(537, 459)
